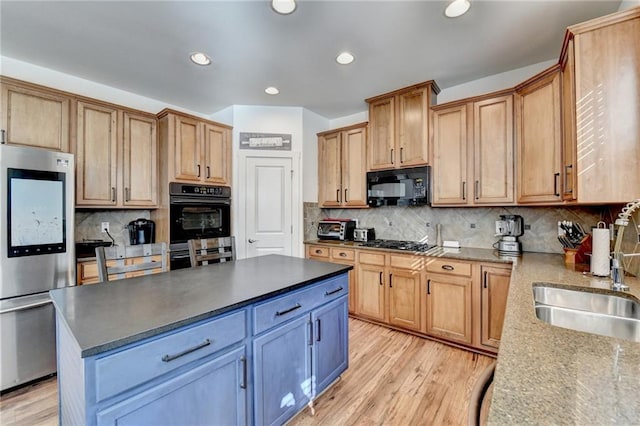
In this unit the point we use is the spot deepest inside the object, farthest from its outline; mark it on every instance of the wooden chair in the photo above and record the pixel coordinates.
(120, 262)
(212, 250)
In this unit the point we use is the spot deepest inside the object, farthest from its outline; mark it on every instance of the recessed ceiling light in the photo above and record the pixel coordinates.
(200, 58)
(457, 8)
(283, 7)
(272, 90)
(344, 58)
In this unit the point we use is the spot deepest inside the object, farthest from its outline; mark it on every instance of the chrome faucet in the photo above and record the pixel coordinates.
(617, 263)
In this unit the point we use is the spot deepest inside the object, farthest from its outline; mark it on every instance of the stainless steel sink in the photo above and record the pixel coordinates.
(597, 313)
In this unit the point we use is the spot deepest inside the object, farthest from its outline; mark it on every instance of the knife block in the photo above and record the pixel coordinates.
(578, 254)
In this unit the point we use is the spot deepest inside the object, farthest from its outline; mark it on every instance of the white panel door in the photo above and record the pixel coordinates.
(269, 227)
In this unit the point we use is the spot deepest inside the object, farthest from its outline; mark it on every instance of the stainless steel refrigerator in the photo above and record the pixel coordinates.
(37, 254)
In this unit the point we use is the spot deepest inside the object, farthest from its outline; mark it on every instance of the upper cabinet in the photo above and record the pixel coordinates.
(34, 116)
(341, 167)
(116, 157)
(473, 151)
(601, 95)
(195, 150)
(539, 139)
(399, 127)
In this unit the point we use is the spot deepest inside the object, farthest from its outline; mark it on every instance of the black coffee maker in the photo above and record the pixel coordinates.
(142, 231)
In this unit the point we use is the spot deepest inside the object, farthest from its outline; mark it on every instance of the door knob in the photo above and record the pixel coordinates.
(251, 241)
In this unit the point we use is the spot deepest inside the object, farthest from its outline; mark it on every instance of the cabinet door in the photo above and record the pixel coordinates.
(282, 371)
(539, 141)
(329, 170)
(188, 141)
(450, 150)
(404, 298)
(217, 155)
(412, 122)
(493, 150)
(330, 348)
(96, 155)
(35, 118)
(382, 135)
(449, 307)
(354, 170)
(495, 288)
(569, 148)
(140, 160)
(215, 391)
(370, 297)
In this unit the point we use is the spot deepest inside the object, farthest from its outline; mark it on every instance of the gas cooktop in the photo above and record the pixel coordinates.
(398, 245)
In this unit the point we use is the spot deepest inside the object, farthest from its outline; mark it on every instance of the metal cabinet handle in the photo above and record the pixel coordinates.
(484, 279)
(310, 326)
(198, 170)
(390, 280)
(555, 184)
(318, 324)
(3, 132)
(343, 254)
(208, 172)
(127, 195)
(428, 286)
(391, 155)
(566, 178)
(113, 194)
(168, 358)
(448, 267)
(337, 290)
(401, 156)
(243, 382)
(318, 251)
(477, 196)
(251, 241)
(337, 195)
(286, 311)
(464, 190)
(345, 195)
(381, 283)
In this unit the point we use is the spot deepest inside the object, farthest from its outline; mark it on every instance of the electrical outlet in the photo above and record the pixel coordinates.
(473, 226)
(428, 224)
(527, 227)
(104, 226)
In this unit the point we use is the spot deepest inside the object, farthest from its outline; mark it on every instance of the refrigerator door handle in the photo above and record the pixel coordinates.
(25, 307)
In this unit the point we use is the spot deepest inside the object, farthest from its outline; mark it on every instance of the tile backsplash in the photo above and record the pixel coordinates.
(474, 227)
(88, 224)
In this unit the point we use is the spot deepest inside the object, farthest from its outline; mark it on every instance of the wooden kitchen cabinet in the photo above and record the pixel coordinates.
(406, 278)
(87, 271)
(342, 167)
(399, 127)
(539, 138)
(449, 300)
(601, 62)
(194, 150)
(474, 138)
(495, 288)
(344, 256)
(34, 116)
(371, 286)
(116, 157)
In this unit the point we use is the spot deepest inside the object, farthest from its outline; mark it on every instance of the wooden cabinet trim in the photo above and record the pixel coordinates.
(167, 111)
(343, 129)
(432, 83)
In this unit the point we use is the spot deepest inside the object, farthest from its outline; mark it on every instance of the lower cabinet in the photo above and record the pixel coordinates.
(344, 256)
(217, 389)
(405, 292)
(449, 310)
(296, 361)
(495, 288)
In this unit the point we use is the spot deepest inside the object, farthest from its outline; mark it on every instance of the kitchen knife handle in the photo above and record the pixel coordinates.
(555, 184)
(243, 382)
(566, 178)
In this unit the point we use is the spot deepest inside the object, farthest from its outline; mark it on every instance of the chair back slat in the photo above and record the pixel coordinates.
(120, 262)
(212, 250)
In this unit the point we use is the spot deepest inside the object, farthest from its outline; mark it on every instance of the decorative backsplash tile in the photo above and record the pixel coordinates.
(88, 224)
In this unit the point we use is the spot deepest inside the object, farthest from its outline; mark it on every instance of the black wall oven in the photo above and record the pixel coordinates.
(196, 211)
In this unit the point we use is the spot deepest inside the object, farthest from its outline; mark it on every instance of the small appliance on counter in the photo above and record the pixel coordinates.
(336, 229)
(142, 231)
(364, 234)
(509, 228)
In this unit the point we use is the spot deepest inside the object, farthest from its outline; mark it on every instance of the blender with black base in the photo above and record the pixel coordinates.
(509, 228)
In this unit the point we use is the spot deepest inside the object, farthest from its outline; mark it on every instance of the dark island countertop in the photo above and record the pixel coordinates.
(106, 316)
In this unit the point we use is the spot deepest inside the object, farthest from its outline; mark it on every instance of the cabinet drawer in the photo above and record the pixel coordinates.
(292, 305)
(149, 360)
(318, 251)
(371, 258)
(448, 266)
(406, 262)
(343, 254)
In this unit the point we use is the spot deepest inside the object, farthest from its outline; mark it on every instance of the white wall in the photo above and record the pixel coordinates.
(312, 124)
(628, 4)
(57, 80)
(356, 118)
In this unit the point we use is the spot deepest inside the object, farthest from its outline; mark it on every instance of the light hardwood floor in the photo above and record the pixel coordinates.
(393, 379)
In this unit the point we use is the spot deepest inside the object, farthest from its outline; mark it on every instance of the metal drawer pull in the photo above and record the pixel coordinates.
(428, 286)
(198, 170)
(390, 280)
(113, 193)
(318, 331)
(485, 279)
(337, 195)
(381, 278)
(243, 383)
(318, 251)
(343, 254)
(208, 172)
(337, 290)
(448, 267)
(286, 311)
(345, 195)
(555, 184)
(168, 358)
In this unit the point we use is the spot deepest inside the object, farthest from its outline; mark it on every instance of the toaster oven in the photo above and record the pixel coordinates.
(336, 229)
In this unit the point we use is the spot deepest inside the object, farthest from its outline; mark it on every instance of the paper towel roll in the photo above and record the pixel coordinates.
(600, 252)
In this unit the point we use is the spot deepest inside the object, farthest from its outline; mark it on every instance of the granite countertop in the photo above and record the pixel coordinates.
(547, 374)
(551, 375)
(106, 316)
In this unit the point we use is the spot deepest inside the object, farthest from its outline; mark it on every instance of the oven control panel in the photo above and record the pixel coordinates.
(202, 190)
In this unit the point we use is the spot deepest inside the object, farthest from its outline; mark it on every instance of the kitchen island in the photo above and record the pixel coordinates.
(251, 341)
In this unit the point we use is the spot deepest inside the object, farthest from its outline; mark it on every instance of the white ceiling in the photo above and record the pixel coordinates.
(143, 47)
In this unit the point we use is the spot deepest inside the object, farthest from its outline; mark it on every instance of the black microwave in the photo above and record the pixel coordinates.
(400, 187)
